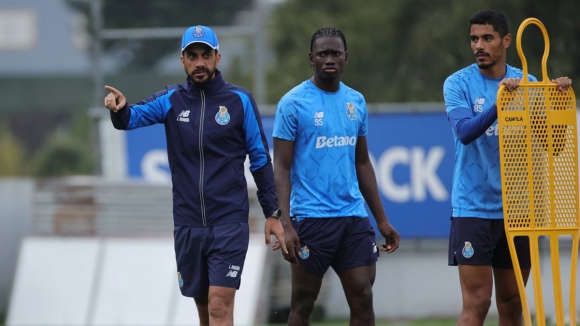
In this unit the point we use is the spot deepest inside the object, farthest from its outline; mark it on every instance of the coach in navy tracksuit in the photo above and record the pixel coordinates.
(210, 127)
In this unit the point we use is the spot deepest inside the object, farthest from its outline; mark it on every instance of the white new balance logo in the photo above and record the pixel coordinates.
(233, 271)
(478, 106)
(183, 116)
(318, 118)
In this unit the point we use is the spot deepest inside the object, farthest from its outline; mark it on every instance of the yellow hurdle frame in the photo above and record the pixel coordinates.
(539, 171)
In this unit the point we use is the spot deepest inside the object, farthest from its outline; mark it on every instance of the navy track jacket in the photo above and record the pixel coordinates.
(210, 129)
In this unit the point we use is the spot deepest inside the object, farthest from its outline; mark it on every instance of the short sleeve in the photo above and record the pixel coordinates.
(363, 130)
(453, 94)
(286, 120)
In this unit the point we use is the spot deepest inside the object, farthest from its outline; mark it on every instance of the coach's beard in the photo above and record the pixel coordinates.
(209, 75)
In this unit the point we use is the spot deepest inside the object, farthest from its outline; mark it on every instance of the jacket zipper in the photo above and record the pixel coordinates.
(201, 160)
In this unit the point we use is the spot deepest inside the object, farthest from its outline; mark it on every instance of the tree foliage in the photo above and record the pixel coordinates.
(399, 50)
(402, 51)
(142, 54)
(12, 161)
(67, 152)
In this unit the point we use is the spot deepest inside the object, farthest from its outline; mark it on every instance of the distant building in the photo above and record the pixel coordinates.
(42, 37)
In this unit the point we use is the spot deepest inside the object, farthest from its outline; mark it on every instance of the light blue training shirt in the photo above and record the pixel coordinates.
(324, 127)
(470, 105)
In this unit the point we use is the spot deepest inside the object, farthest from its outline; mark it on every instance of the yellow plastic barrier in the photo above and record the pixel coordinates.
(539, 167)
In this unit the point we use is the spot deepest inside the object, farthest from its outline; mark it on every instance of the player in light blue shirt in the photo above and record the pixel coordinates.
(324, 127)
(476, 179)
(477, 241)
(323, 176)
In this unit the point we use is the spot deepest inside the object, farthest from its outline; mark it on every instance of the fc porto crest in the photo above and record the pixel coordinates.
(467, 250)
(351, 111)
(198, 32)
(304, 252)
(222, 117)
(179, 279)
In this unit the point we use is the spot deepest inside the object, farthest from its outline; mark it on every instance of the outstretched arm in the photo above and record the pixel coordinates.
(141, 114)
(115, 100)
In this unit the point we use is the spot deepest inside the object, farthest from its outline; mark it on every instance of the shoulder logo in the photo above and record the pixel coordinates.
(478, 106)
(318, 115)
(198, 32)
(179, 279)
(183, 116)
(351, 111)
(467, 250)
(304, 252)
(222, 117)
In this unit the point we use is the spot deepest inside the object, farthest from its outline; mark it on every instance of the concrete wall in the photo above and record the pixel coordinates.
(118, 281)
(16, 196)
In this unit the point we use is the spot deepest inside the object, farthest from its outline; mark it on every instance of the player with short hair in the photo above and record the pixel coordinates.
(211, 126)
(323, 176)
(477, 240)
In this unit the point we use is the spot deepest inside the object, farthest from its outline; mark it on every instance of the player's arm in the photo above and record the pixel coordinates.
(467, 127)
(283, 156)
(368, 187)
(284, 134)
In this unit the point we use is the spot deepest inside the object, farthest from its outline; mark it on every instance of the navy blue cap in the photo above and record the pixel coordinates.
(199, 34)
